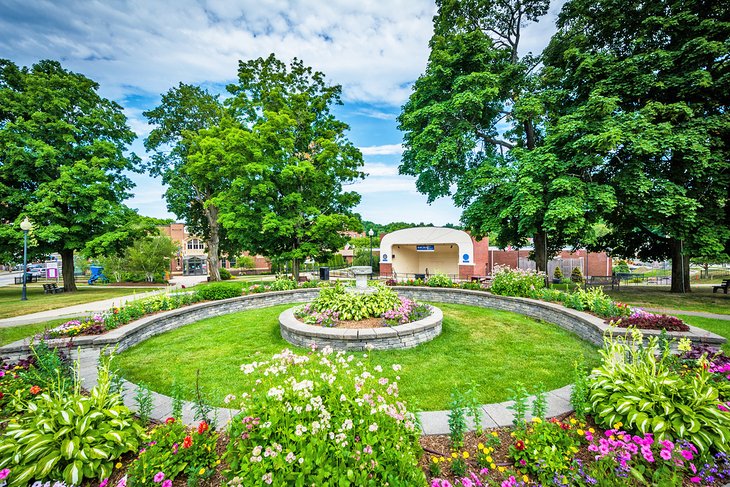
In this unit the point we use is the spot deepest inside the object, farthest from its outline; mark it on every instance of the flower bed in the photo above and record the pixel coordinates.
(649, 321)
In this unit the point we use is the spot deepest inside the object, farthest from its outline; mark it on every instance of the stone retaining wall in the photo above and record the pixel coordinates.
(584, 325)
(384, 338)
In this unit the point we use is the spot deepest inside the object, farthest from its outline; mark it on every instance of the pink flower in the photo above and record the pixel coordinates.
(722, 407)
(694, 480)
(4, 473)
(666, 454)
(159, 477)
(104, 483)
(687, 454)
(167, 483)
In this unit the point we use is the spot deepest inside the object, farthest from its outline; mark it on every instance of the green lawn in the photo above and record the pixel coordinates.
(11, 305)
(721, 327)
(12, 334)
(493, 349)
(700, 299)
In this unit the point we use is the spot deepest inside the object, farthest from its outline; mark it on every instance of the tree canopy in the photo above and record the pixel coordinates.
(63, 161)
(645, 90)
(288, 160)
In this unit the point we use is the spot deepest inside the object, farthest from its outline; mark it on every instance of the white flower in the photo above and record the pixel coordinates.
(396, 367)
(373, 427)
(229, 398)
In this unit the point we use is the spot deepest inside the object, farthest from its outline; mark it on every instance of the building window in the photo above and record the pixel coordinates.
(195, 244)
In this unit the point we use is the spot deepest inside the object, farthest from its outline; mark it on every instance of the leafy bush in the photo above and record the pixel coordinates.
(576, 275)
(225, 274)
(440, 280)
(322, 419)
(219, 290)
(283, 284)
(356, 306)
(622, 267)
(69, 436)
(557, 273)
(650, 321)
(173, 449)
(473, 286)
(516, 282)
(637, 385)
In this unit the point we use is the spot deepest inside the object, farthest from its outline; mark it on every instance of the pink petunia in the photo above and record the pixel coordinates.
(159, 477)
(666, 454)
(4, 473)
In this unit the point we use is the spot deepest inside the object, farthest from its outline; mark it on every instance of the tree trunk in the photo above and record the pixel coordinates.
(541, 258)
(211, 212)
(67, 261)
(680, 268)
(295, 269)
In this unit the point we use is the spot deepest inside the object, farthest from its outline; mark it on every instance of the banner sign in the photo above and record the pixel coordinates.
(424, 248)
(52, 270)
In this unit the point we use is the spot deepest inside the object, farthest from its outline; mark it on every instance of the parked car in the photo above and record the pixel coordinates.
(37, 270)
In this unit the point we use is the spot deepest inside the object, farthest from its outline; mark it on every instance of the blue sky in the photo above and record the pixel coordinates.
(136, 50)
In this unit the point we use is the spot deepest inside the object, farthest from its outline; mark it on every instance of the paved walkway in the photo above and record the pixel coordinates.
(432, 422)
(82, 310)
(702, 314)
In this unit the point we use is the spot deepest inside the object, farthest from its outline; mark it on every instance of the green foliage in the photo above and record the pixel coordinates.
(288, 162)
(174, 449)
(304, 425)
(245, 262)
(69, 436)
(151, 255)
(518, 396)
(283, 284)
(637, 385)
(225, 274)
(516, 282)
(547, 448)
(576, 275)
(557, 273)
(457, 420)
(219, 290)
(579, 393)
(143, 401)
(440, 280)
(356, 306)
(622, 267)
(54, 121)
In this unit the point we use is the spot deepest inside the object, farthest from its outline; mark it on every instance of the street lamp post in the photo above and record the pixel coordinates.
(26, 226)
(371, 233)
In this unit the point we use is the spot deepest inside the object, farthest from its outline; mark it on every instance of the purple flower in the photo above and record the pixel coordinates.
(4, 473)
(159, 477)
(666, 454)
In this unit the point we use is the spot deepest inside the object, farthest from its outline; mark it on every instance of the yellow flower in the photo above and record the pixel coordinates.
(493, 466)
(201, 471)
(480, 446)
(434, 459)
(526, 441)
(218, 462)
(512, 434)
(489, 459)
(581, 432)
(591, 430)
(118, 465)
(618, 425)
(502, 469)
(525, 478)
(454, 455)
(573, 421)
(465, 454)
(494, 433)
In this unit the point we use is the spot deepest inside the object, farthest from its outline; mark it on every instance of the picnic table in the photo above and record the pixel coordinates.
(724, 286)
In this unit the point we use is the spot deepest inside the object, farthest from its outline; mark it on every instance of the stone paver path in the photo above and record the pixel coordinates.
(432, 422)
(701, 314)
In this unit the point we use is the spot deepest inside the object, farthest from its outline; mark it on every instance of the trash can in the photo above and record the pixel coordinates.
(324, 273)
(96, 274)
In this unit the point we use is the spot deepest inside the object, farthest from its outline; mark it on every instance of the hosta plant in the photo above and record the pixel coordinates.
(355, 306)
(516, 282)
(638, 385)
(322, 419)
(69, 436)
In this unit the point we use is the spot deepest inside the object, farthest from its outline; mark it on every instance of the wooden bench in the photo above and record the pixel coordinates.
(28, 278)
(603, 281)
(53, 289)
(724, 286)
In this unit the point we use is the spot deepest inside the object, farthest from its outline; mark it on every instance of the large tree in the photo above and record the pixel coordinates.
(286, 198)
(63, 160)
(475, 128)
(646, 87)
(184, 114)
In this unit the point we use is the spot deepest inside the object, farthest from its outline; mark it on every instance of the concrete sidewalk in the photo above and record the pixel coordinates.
(86, 309)
(701, 314)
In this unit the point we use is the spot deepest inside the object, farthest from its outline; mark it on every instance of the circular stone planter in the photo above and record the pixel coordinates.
(384, 338)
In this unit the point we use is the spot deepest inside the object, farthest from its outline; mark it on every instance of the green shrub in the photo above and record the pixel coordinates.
(173, 449)
(622, 267)
(516, 282)
(219, 290)
(558, 273)
(69, 436)
(638, 385)
(283, 284)
(474, 286)
(356, 306)
(577, 275)
(440, 280)
(225, 274)
(309, 422)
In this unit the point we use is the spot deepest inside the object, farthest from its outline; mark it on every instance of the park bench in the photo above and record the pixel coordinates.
(724, 286)
(53, 289)
(28, 278)
(603, 281)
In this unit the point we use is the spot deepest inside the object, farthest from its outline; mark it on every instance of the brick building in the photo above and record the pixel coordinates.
(192, 258)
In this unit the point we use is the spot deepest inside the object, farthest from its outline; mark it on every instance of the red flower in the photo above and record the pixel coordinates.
(169, 420)
(35, 390)
(202, 427)
(520, 445)
(187, 442)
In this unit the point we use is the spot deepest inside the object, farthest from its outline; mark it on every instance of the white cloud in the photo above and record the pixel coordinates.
(382, 150)
(380, 169)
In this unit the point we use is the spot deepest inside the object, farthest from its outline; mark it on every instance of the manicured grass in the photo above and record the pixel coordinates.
(488, 348)
(721, 327)
(700, 299)
(11, 305)
(12, 334)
